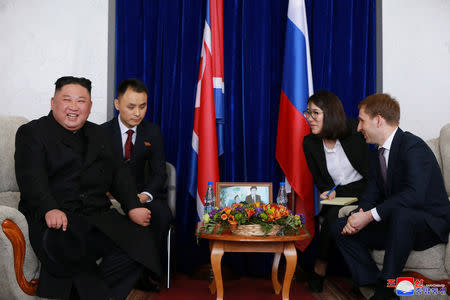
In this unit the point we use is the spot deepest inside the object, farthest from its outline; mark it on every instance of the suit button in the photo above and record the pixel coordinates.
(82, 196)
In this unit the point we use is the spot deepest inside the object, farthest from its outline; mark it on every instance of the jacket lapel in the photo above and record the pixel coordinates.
(321, 159)
(93, 147)
(138, 144)
(393, 159)
(117, 138)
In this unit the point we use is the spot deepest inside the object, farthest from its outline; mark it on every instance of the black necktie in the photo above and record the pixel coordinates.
(383, 168)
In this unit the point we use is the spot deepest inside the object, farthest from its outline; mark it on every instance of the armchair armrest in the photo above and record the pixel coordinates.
(346, 210)
(447, 257)
(22, 254)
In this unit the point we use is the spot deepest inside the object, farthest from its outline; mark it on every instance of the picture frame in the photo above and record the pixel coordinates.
(229, 193)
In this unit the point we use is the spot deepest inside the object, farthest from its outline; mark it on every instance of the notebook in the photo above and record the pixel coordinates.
(340, 201)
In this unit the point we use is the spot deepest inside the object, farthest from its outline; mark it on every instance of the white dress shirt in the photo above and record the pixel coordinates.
(124, 135)
(387, 148)
(338, 165)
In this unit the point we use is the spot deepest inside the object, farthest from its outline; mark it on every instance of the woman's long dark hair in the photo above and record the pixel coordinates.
(334, 119)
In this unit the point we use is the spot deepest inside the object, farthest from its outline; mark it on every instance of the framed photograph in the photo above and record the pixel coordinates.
(229, 193)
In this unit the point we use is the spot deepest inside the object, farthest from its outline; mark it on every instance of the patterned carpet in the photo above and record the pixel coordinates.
(184, 288)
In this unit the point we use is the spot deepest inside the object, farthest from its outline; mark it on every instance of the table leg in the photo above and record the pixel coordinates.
(212, 287)
(275, 282)
(216, 259)
(291, 261)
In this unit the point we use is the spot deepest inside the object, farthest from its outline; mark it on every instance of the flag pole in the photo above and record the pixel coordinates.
(293, 200)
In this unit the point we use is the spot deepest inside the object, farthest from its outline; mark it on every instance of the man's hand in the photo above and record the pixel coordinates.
(357, 221)
(143, 198)
(324, 196)
(140, 216)
(55, 219)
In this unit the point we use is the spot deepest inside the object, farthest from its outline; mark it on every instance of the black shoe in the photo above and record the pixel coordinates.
(382, 292)
(315, 283)
(146, 284)
(355, 291)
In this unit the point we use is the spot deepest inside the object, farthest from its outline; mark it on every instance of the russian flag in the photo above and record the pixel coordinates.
(204, 164)
(296, 87)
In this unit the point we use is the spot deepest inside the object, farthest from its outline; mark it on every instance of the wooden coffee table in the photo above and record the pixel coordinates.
(221, 243)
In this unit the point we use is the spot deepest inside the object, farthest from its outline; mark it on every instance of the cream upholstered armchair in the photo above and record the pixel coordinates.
(19, 265)
(433, 263)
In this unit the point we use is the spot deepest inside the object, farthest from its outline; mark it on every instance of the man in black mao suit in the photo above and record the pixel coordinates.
(146, 159)
(64, 167)
(405, 205)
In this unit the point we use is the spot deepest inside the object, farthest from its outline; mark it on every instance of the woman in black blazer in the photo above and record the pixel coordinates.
(336, 155)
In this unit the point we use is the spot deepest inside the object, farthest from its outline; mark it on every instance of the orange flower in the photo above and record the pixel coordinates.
(227, 210)
(223, 217)
(250, 212)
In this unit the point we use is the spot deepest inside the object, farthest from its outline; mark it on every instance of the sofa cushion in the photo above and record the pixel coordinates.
(429, 262)
(444, 146)
(8, 129)
(10, 199)
(434, 146)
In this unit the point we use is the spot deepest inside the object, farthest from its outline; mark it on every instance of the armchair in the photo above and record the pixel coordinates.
(19, 265)
(432, 264)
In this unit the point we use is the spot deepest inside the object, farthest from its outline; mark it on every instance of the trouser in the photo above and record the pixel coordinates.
(115, 276)
(65, 275)
(160, 221)
(325, 241)
(404, 231)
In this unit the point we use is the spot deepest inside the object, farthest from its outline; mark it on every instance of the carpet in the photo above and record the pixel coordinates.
(184, 288)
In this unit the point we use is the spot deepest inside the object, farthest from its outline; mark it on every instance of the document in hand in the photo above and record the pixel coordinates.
(340, 201)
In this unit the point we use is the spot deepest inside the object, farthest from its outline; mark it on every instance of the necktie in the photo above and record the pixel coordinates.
(383, 168)
(129, 145)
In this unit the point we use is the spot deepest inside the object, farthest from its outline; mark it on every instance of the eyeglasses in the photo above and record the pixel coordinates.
(313, 114)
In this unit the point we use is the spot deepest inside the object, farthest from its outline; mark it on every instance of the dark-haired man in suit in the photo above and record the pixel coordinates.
(253, 197)
(405, 205)
(64, 167)
(140, 144)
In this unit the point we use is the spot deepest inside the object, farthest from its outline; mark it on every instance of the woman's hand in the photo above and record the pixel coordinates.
(324, 196)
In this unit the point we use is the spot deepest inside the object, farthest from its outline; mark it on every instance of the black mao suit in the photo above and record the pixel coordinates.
(356, 150)
(55, 171)
(413, 207)
(148, 168)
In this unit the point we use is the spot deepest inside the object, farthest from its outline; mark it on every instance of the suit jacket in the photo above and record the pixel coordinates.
(414, 180)
(52, 174)
(148, 161)
(248, 199)
(356, 150)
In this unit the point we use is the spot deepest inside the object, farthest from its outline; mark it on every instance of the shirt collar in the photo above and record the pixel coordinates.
(336, 146)
(387, 144)
(123, 128)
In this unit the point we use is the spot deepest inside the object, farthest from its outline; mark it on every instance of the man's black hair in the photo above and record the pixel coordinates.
(134, 84)
(84, 82)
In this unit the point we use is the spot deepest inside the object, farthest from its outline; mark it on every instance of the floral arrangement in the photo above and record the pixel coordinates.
(266, 215)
